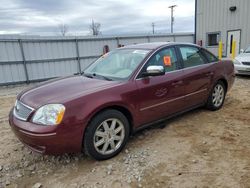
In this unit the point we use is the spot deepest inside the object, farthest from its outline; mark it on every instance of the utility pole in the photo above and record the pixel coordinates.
(93, 26)
(172, 17)
(153, 27)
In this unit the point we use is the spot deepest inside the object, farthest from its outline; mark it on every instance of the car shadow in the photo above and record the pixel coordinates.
(245, 77)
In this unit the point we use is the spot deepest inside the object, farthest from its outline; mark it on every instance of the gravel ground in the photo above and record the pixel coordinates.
(198, 149)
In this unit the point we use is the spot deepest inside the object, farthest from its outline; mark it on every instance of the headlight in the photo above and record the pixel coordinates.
(236, 62)
(50, 114)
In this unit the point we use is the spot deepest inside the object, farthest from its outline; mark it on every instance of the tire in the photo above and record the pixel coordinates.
(216, 97)
(106, 135)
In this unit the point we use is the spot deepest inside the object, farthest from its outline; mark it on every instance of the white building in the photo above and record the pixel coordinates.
(225, 20)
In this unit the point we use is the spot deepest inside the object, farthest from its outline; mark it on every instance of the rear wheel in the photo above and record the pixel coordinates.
(106, 135)
(217, 96)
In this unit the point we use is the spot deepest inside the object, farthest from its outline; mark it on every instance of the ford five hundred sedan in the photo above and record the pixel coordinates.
(123, 91)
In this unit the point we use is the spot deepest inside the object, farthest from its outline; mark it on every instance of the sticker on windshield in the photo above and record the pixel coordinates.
(144, 52)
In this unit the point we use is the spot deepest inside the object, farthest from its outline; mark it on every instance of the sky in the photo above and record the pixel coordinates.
(117, 17)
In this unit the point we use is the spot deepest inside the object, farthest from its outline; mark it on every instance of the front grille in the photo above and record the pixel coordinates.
(22, 111)
(246, 63)
(244, 72)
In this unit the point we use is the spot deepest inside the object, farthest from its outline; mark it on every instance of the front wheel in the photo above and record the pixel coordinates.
(217, 96)
(106, 135)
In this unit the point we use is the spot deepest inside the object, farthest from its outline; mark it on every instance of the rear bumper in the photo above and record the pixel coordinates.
(51, 140)
(242, 69)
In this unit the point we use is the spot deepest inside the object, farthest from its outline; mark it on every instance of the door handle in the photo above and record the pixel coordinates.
(209, 74)
(178, 83)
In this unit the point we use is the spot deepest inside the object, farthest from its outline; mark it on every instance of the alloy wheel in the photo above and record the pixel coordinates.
(109, 136)
(218, 95)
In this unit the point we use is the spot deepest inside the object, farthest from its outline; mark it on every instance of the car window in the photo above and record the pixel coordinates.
(118, 64)
(166, 58)
(191, 56)
(247, 50)
(211, 58)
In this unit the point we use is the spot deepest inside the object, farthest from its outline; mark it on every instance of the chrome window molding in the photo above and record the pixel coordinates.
(181, 69)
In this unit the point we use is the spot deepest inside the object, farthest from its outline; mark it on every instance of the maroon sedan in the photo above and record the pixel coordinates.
(120, 93)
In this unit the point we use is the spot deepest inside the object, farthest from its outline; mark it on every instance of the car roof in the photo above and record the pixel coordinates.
(154, 45)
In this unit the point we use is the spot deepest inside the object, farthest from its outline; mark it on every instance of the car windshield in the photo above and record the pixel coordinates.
(116, 65)
(247, 50)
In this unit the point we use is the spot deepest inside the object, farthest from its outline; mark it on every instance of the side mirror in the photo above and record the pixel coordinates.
(154, 71)
(241, 51)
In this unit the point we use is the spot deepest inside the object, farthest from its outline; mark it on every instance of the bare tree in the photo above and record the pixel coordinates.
(63, 28)
(95, 28)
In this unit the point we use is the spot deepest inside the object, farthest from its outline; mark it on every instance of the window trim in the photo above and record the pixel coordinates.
(178, 62)
(210, 33)
(205, 50)
(182, 61)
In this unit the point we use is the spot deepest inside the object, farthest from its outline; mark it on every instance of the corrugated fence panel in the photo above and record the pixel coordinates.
(184, 39)
(127, 41)
(45, 70)
(95, 47)
(49, 57)
(161, 39)
(10, 51)
(12, 73)
(49, 50)
(86, 62)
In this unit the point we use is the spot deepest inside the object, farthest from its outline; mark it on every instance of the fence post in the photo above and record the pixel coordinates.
(117, 41)
(78, 56)
(24, 61)
(148, 37)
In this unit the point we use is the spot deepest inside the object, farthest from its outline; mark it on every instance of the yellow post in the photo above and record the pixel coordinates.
(233, 49)
(220, 50)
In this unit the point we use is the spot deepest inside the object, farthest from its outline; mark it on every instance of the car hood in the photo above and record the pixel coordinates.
(243, 57)
(63, 90)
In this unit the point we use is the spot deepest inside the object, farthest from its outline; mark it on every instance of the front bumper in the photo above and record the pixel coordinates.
(52, 140)
(242, 69)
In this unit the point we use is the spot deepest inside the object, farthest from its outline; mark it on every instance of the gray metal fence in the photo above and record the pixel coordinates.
(25, 59)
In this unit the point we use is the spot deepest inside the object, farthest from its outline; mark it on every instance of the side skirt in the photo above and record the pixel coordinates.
(144, 126)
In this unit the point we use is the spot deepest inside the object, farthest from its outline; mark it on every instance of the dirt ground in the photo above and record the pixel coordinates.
(198, 149)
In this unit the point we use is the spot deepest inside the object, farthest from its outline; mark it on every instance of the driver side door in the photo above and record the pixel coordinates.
(160, 96)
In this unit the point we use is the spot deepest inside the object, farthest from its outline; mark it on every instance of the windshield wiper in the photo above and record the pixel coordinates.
(87, 75)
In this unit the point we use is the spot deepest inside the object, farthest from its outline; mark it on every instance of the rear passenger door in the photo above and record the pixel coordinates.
(197, 74)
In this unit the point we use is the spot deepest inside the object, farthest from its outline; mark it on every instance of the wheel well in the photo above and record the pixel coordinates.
(224, 82)
(124, 111)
